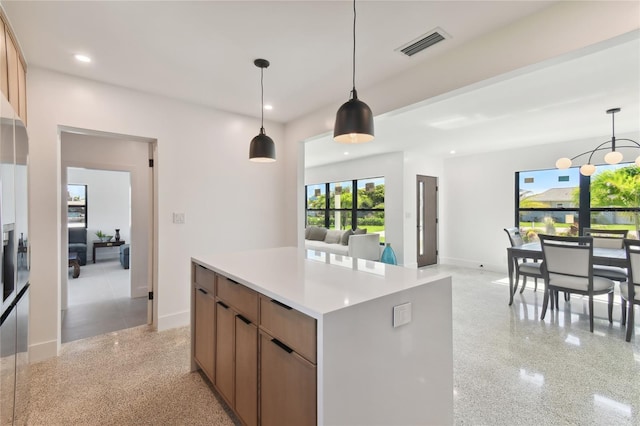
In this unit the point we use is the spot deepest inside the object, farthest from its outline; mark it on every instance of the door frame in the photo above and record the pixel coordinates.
(152, 258)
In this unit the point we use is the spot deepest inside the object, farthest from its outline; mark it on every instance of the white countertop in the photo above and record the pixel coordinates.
(314, 282)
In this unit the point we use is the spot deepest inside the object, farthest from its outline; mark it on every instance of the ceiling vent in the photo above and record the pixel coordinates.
(422, 42)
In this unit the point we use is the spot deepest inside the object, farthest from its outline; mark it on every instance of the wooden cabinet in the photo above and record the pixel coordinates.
(12, 72)
(4, 75)
(288, 325)
(263, 351)
(225, 350)
(237, 348)
(203, 319)
(287, 385)
(13, 83)
(246, 371)
(204, 343)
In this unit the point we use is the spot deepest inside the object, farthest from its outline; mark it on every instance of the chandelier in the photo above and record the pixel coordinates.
(612, 157)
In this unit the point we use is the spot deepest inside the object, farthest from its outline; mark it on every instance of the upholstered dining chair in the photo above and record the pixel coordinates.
(523, 268)
(569, 267)
(630, 291)
(608, 238)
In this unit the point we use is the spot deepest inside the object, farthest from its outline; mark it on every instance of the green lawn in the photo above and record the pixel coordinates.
(541, 225)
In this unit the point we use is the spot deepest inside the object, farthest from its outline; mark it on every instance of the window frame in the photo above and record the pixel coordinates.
(329, 212)
(85, 205)
(584, 209)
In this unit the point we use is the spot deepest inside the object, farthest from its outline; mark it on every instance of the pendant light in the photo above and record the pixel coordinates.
(354, 119)
(262, 148)
(612, 157)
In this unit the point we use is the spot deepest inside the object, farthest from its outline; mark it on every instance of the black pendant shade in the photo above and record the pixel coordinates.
(354, 122)
(354, 119)
(262, 148)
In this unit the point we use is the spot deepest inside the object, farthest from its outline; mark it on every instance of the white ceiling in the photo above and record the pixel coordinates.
(203, 52)
(552, 103)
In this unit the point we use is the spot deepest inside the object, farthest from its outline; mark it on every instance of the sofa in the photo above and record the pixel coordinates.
(78, 244)
(350, 243)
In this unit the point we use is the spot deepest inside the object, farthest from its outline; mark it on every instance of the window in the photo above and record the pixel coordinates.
(77, 206)
(564, 202)
(345, 208)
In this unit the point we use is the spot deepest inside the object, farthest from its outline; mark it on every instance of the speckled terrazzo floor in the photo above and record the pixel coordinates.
(128, 377)
(510, 368)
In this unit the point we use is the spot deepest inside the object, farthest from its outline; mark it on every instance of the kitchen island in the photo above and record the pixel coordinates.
(290, 336)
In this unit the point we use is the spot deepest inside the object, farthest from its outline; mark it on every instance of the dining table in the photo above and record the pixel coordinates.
(533, 251)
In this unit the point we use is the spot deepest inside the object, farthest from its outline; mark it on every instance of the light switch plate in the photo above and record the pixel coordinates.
(402, 314)
(178, 218)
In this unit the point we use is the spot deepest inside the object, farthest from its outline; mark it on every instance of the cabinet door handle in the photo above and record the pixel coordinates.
(243, 319)
(203, 291)
(282, 305)
(282, 345)
(223, 305)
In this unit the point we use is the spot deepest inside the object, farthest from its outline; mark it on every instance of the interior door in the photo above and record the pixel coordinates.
(427, 220)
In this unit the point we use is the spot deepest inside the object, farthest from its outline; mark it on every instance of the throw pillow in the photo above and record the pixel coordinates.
(316, 233)
(360, 231)
(333, 236)
(345, 237)
(307, 231)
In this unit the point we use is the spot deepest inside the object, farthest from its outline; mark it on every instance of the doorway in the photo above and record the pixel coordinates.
(119, 276)
(427, 220)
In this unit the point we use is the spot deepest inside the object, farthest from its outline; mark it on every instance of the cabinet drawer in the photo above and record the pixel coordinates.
(293, 328)
(205, 278)
(288, 385)
(241, 298)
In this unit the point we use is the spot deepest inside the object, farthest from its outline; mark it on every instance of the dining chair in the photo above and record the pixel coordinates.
(523, 268)
(613, 239)
(630, 291)
(569, 267)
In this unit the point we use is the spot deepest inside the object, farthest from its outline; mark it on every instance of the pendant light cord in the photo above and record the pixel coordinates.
(354, 45)
(262, 98)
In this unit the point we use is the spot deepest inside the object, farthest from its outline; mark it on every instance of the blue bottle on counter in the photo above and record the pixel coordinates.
(388, 255)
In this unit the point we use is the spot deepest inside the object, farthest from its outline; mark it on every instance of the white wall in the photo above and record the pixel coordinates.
(203, 171)
(560, 29)
(479, 200)
(108, 207)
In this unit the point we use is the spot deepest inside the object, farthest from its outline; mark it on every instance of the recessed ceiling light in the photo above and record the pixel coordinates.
(346, 153)
(452, 152)
(82, 58)
(268, 107)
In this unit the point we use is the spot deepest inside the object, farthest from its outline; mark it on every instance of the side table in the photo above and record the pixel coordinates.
(102, 244)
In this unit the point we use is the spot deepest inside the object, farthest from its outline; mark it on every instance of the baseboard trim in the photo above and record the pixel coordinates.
(176, 320)
(473, 264)
(43, 351)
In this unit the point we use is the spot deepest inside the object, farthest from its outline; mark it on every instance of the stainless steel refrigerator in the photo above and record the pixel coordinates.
(15, 254)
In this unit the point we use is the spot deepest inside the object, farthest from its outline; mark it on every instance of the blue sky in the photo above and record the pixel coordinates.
(547, 179)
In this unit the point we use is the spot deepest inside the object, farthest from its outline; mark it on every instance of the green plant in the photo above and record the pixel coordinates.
(100, 234)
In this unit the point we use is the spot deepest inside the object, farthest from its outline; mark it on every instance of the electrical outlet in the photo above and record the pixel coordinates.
(402, 314)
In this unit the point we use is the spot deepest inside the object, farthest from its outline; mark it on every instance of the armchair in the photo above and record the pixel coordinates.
(78, 244)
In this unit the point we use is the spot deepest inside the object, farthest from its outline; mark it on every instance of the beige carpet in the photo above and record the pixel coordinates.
(129, 377)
